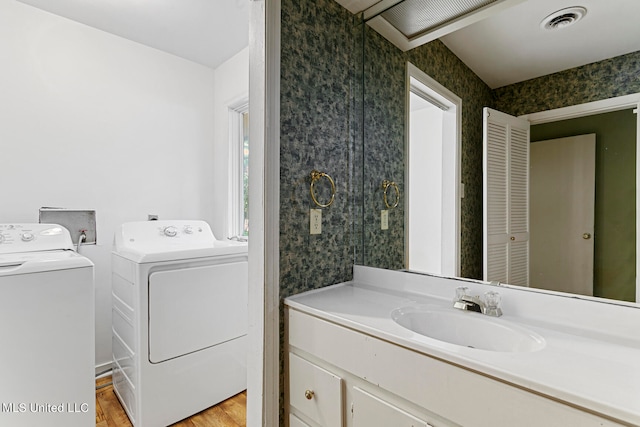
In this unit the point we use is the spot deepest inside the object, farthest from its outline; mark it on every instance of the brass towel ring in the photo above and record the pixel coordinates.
(317, 176)
(385, 187)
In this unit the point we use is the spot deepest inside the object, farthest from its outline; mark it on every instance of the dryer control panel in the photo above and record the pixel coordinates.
(175, 231)
(170, 240)
(173, 234)
(16, 238)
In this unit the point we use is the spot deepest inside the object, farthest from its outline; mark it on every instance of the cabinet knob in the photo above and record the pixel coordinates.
(586, 236)
(513, 238)
(309, 394)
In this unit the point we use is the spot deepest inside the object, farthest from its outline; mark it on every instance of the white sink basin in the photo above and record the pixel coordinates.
(468, 329)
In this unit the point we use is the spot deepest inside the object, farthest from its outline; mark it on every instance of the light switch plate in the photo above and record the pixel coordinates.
(316, 221)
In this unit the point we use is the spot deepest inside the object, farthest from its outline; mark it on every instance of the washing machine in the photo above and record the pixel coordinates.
(179, 319)
(47, 335)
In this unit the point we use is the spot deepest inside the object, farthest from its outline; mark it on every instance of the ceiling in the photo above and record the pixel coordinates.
(204, 31)
(505, 48)
(509, 46)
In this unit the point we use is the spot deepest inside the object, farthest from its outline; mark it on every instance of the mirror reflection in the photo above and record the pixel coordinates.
(487, 64)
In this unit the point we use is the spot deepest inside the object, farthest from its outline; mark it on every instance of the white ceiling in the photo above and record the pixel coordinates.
(503, 49)
(204, 31)
(510, 46)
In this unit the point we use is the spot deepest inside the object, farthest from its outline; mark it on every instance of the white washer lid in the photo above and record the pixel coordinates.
(38, 262)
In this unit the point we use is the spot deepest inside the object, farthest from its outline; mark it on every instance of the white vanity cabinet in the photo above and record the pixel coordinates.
(359, 379)
(368, 410)
(321, 394)
(316, 396)
(315, 392)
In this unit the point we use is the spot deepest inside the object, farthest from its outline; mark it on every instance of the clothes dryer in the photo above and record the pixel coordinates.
(179, 319)
(47, 334)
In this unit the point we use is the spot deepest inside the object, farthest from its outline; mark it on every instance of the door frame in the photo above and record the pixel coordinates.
(599, 107)
(263, 358)
(441, 95)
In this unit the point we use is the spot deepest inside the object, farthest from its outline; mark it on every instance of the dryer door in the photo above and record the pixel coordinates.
(192, 309)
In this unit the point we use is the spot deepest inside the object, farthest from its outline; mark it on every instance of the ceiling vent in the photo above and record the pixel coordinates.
(414, 17)
(563, 18)
(412, 23)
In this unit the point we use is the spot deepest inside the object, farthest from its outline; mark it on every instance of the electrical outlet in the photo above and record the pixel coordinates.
(316, 221)
(384, 219)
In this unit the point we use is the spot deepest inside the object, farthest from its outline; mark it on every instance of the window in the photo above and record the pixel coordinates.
(239, 169)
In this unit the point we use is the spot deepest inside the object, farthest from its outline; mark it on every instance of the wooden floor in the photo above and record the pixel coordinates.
(230, 413)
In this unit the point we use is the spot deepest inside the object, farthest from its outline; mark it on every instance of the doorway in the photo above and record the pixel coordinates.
(562, 191)
(615, 265)
(433, 168)
(614, 237)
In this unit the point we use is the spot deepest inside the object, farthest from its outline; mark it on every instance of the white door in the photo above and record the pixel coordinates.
(562, 214)
(505, 166)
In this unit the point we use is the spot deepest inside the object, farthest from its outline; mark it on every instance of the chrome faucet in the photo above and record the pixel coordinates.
(469, 303)
(490, 306)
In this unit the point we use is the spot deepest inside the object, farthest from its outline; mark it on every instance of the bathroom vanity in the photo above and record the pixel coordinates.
(389, 349)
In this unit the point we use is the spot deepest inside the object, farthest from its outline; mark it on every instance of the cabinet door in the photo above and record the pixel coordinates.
(315, 392)
(370, 411)
(296, 422)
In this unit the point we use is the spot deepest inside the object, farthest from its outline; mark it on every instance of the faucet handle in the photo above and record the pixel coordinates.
(492, 303)
(461, 291)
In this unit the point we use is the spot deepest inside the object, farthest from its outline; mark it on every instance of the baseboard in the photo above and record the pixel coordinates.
(103, 369)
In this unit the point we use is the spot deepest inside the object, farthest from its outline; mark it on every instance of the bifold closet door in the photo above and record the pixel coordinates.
(506, 198)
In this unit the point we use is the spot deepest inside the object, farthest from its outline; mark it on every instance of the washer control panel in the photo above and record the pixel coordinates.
(33, 237)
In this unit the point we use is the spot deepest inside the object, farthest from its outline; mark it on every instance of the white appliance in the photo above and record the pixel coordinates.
(47, 335)
(179, 319)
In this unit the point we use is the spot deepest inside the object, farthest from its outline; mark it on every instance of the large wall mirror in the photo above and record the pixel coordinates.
(486, 63)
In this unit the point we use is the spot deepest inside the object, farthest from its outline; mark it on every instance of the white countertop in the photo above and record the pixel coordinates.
(582, 366)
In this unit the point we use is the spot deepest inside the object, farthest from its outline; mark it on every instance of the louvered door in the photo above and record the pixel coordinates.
(506, 198)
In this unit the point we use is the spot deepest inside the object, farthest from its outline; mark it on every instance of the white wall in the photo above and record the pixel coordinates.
(425, 189)
(94, 121)
(231, 84)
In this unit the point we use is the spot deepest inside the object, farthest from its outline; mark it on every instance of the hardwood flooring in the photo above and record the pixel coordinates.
(230, 413)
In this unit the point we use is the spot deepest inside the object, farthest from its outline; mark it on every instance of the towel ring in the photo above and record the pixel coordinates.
(385, 187)
(317, 176)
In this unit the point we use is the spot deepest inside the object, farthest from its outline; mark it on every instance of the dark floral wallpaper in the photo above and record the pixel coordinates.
(316, 107)
(384, 140)
(592, 82)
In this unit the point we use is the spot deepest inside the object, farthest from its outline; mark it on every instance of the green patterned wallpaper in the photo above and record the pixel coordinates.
(316, 77)
(384, 68)
(384, 139)
(592, 82)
